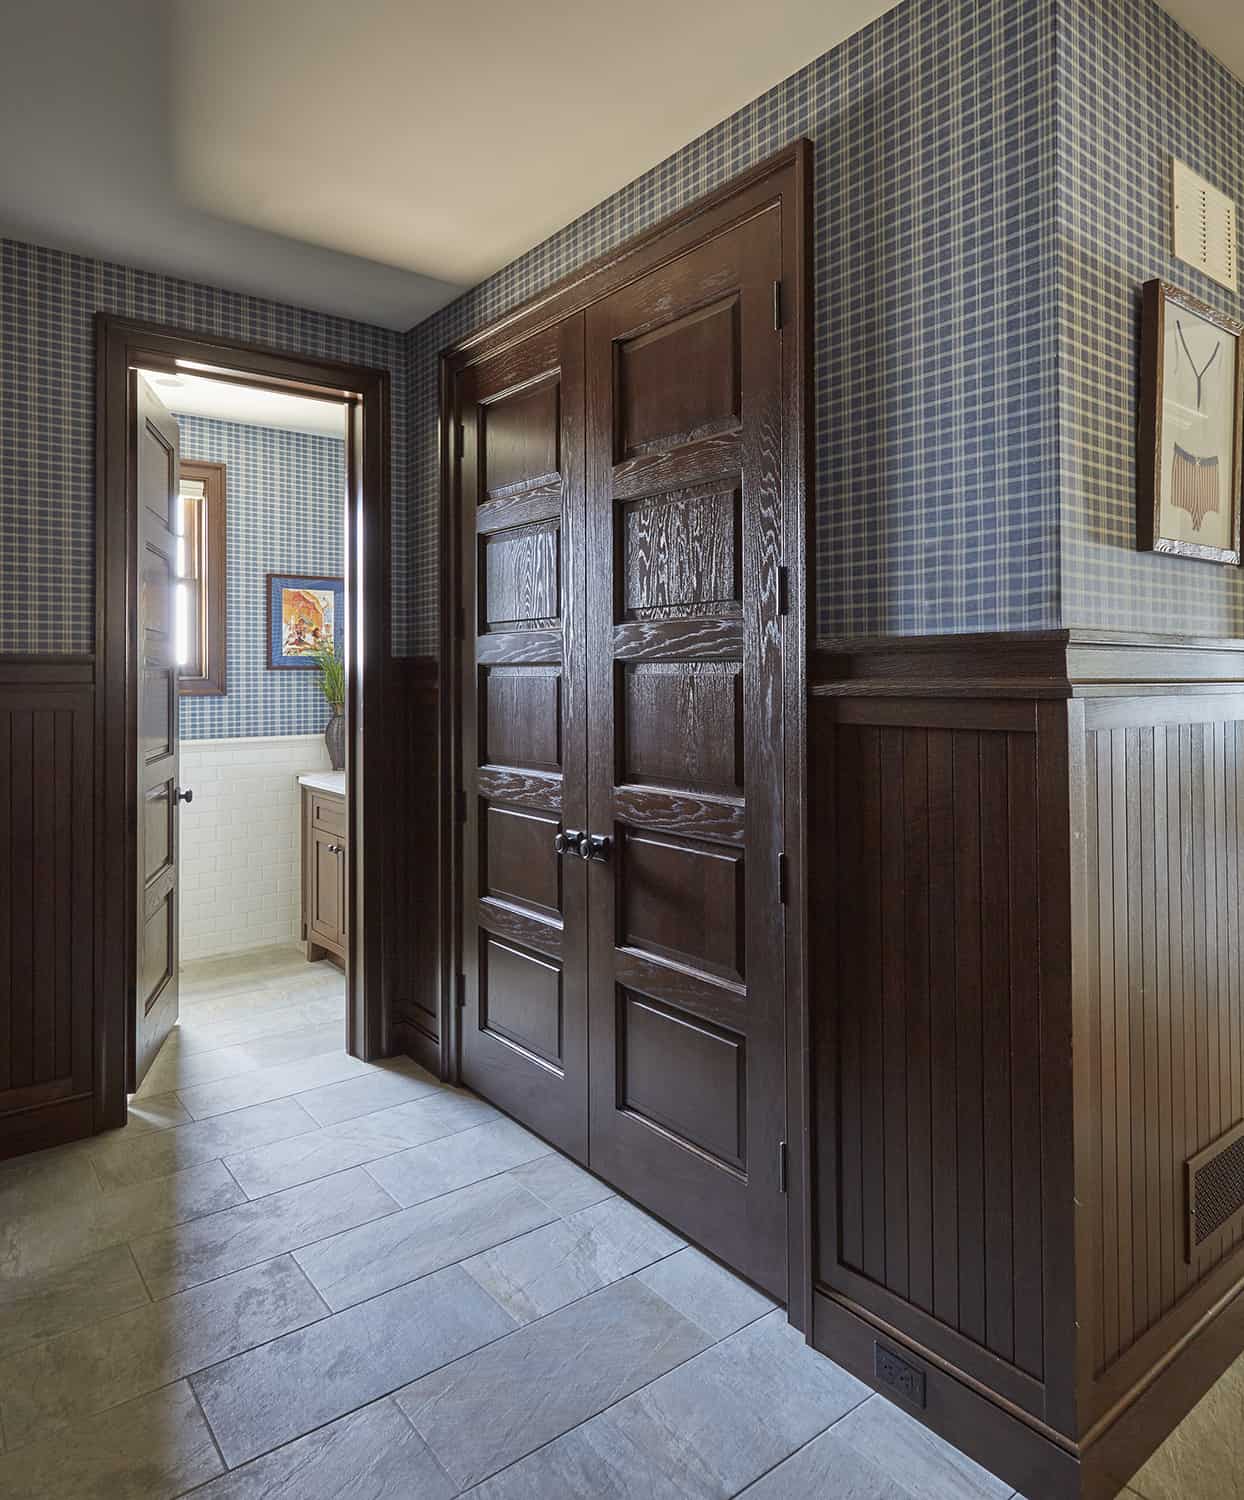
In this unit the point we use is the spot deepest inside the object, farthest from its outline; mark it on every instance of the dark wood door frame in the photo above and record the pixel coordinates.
(122, 347)
(784, 178)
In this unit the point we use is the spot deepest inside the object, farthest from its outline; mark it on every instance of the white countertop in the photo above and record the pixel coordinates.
(325, 781)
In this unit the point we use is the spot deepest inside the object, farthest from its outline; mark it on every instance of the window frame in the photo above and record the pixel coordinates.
(210, 682)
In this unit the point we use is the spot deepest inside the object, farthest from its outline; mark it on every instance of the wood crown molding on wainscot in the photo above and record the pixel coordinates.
(1032, 664)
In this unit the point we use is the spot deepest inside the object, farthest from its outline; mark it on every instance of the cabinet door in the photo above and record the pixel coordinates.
(685, 741)
(326, 918)
(524, 1027)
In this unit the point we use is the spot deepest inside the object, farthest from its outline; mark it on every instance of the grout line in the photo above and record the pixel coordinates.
(319, 1297)
(427, 1447)
(311, 1088)
(518, 1328)
(150, 1299)
(370, 1161)
(188, 1377)
(211, 1431)
(712, 1344)
(855, 1405)
(290, 1252)
(246, 1197)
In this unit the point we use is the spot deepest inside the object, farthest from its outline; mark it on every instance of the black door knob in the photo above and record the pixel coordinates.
(596, 846)
(186, 796)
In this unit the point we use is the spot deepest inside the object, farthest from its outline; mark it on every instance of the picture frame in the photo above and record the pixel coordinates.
(305, 611)
(1190, 442)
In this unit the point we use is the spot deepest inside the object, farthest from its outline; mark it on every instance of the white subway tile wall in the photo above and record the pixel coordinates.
(240, 858)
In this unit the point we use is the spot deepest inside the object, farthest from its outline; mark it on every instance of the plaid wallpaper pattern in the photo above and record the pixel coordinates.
(48, 299)
(936, 417)
(990, 194)
(285, 513)
(1134, 89)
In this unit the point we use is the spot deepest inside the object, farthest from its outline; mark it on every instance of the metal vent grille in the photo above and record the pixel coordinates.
(1215, 1189)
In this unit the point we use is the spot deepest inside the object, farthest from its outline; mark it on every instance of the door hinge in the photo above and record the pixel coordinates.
(459, 440)
(777, 306)
(783, 1168)
(783, 591)
(461, 998)
(461, 805)
(782, 879)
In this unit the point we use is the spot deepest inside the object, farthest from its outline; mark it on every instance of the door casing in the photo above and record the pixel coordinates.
(123, 345)
(784, 178)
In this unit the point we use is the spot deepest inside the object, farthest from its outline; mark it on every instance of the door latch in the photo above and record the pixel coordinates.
(569, 842)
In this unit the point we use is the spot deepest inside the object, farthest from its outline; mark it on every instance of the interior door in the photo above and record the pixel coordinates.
(155, 473)
(684, 646)
(524, 941)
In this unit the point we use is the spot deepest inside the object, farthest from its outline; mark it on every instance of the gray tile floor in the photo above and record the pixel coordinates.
(296, 1275)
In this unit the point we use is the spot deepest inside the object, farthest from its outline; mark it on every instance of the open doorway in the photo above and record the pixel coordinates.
(243, 570)
(260, 615)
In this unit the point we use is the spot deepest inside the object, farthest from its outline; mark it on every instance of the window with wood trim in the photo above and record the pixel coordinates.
(201, 616)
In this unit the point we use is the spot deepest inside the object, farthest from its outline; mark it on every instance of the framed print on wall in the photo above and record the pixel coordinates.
(1190, 455)
(305, 613)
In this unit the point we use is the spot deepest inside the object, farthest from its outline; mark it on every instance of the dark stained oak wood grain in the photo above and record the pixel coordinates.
(681, 554)
(523, 1036)
(521, 576)
(47, 990)
(1027, 1021)
(685, 661)
(676, 483)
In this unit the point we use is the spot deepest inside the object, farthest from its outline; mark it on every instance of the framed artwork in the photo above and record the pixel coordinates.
(305, 613)
(1190, 455)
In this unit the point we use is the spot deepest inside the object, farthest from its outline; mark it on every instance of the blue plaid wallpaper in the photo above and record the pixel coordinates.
(1134, 89)
(285, 513)
(990, 194)
(48, 299)
(936, 413)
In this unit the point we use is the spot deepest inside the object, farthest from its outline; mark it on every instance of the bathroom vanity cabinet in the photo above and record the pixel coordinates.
(324, 825)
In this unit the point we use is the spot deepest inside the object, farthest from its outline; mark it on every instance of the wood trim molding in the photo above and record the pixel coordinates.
(213, 580)
(642, 253)
(46, 671)
(122, 345)
(1026, 664)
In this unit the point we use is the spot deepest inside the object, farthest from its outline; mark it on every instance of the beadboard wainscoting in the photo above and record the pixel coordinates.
(240, 869)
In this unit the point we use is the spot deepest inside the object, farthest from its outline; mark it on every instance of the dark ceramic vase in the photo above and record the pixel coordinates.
(335, 739)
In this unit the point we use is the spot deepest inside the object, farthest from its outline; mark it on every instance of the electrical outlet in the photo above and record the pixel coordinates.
(901, 1376)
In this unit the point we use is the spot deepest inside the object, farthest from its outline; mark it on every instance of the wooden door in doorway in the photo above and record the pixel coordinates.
(685, 745)
(524, 1015)
(158, 512)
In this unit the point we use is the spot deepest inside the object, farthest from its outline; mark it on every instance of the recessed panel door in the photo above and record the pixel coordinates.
(524, 1033)
(684, 518)
(159, 529)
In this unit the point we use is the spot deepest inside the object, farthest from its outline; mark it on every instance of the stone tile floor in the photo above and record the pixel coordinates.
(297, 1275)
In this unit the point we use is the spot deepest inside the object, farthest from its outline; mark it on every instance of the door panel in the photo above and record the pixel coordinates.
(159, 523)
(685, 746)
(524, 1029)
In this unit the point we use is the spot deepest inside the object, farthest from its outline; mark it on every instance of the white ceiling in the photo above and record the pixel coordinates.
(374, 157)
(200, 396)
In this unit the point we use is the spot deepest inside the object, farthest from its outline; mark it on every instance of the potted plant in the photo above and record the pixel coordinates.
(333, 686)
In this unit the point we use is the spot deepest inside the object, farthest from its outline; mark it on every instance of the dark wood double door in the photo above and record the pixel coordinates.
(621, 484)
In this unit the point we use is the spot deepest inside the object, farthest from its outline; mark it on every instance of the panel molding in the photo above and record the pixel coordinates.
(1133, 909)
(47, 981)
